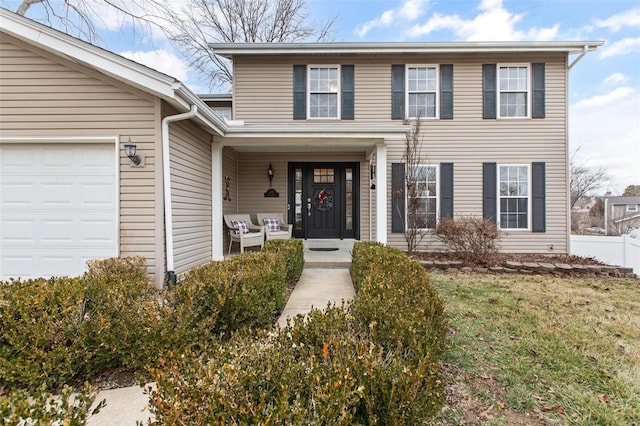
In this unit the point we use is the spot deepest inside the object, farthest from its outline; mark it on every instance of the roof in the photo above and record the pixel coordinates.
(118, 67)
(229, 50)
(623, 200)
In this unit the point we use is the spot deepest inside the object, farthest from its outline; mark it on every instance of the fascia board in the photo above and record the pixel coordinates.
(306, 132)
(229, 50)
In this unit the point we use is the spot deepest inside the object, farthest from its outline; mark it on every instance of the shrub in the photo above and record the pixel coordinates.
(471, 239)
(244, 291)
(293, 252)
(43, 408)
(41, 321)
(64, 330)
(121, 316)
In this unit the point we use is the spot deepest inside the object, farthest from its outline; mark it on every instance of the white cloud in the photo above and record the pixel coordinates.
(616, 78)
(493, 23)
(161, 60)
(607, 130)
(629, 18)
(621, 47)
(410, 10)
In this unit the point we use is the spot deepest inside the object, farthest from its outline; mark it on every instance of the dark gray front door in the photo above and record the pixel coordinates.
(323, 200)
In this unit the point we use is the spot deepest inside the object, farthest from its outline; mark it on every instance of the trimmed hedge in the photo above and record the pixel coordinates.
(293, 251)
(66, 330)
(375, 361)
(245, 291)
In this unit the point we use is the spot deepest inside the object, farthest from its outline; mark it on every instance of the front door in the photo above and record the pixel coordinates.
(323, 200)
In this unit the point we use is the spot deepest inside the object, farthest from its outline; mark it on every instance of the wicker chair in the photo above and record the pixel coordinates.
(255, 236)
(284, 230)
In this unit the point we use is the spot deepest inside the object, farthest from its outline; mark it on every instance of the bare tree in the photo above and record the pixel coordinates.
(415, 228)
(77, 17)
(583, 179)
(239, 21)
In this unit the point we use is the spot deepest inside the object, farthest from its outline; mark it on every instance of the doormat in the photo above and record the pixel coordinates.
(324, 249)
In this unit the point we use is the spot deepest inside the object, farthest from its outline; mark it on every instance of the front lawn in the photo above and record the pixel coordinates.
(541, 350)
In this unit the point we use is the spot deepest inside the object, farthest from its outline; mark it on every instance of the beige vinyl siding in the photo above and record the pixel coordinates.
(468, 140)
(43, 95)
(253, 181)
(190, 149)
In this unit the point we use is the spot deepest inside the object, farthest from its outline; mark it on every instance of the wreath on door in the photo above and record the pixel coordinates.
(323, 200)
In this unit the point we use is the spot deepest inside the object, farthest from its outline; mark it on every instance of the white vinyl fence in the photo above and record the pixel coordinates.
(622, 251)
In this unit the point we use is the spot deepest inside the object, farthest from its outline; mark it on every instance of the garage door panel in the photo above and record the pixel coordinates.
(17, 231)
(57, 208)
(16, 195)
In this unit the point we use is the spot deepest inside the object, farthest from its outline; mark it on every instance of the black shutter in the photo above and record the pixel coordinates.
(299, 92)
(397, 92)
(397, 197)
(346, 86)
(538, 190)
(489, 196)
(446, 91)
(538, 90)
(489, 99)
(446, 190)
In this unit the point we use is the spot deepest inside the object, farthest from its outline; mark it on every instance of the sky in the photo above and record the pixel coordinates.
(604, 86)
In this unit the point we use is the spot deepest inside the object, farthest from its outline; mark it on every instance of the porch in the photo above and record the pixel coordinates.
(322, 253)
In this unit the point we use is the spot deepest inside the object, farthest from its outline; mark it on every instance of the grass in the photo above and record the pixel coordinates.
(541, 350)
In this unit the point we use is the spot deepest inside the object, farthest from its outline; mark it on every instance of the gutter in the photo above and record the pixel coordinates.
(166, 175)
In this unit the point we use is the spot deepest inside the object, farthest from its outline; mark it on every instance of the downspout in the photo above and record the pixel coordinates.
(166, 174)
(585, 49)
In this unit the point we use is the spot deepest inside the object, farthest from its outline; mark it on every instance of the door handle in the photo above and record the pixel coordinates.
(309, 209)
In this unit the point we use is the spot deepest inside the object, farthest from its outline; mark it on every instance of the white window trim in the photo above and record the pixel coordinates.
(339, 92)
(529, 200)
(498, 91)
(437, 197)
(406, 89)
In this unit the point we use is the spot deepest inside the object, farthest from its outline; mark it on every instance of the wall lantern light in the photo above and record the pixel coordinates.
(270, 173)
(130, 151)
(373, 172)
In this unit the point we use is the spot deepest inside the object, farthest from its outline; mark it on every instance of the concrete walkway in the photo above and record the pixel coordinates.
(324, 280)
(317, 288)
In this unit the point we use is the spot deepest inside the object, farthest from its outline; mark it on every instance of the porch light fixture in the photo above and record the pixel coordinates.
(130, 150)
(270, 173)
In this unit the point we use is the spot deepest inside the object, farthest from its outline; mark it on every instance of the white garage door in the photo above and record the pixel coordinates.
(58, 208)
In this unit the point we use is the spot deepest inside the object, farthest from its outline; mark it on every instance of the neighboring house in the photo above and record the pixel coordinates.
(330, 119)
(622, 214)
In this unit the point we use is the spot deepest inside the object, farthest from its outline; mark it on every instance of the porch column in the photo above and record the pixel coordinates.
(216, 202)
(381, 193)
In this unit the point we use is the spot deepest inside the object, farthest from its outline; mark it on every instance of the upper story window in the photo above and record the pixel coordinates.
(422, 205)
(514, 195)
(513, 88)
(324, 92)
(422, 91)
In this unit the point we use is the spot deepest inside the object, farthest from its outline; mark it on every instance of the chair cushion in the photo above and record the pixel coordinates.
(272, 224)
(241, 225)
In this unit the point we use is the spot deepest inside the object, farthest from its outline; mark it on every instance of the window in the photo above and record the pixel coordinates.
(513, 87)
(422, 90)
(422, 205)
(513, 202)
(324, 89)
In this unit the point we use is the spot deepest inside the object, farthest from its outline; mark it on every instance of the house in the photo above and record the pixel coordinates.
(328, 120)
(622, 214)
